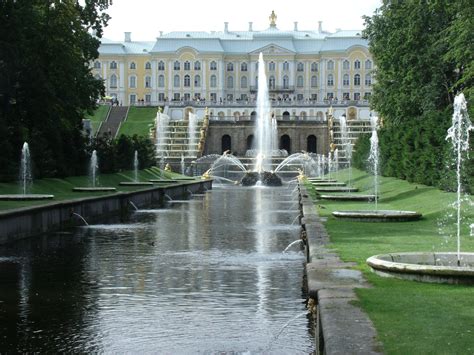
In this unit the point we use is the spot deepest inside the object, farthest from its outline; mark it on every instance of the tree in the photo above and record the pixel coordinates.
(46, 83)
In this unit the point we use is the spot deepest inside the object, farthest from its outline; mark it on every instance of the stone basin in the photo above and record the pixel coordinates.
(328, 184)
(94, 189)
(337, 189)
(136, 183)
(425, 266)
(348, 197)
(378, 216)
(162, 181)
(313, 180)
(25, 197)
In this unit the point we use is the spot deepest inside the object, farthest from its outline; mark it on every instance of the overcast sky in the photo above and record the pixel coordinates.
(146, 18)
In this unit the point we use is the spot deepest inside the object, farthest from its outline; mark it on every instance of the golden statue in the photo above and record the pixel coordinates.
(168, 168)
(332, 146)
(272, 19)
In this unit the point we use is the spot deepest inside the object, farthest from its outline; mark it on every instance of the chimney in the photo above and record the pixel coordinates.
(250, 26)
(296, 25)
(320, 26)
(226, 27)
(128, 36)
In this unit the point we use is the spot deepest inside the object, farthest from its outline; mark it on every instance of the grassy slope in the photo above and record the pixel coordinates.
(138, 121)
(410, 317)
(99, 115)
(62, 188)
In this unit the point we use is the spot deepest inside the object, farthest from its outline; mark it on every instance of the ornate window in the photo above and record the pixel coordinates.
(368, 64)
(176, 81)
(177, 65)
(345, 80)
(133, 82)
(161, 81)
(113, 65)
(346, 65)
(197, 81)
(286, 82)
(357, 64)
(230, 82)
(271, 66)
(286, 65)
(161, 65)
(147, 65)
(96, 64)
(330, 65)
(243, 82)
(230, 67)
(330, 80)
(213, 66)
(113, 81)
(271, 82)
(300, 67)
(133, 65)
(197, 65)
(368, 80)
(314, 81)
(314, 67)
(148, 81)
(357, 80)
(213, 81)
(187, 81)
(243, 67)
(187, 65)
(300, 81)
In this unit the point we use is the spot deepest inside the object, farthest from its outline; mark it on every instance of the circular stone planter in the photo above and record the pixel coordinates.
(425, 267)
(136, 183)
(26, 197)
(94, 189)
(378, 216)
(337, 189)
(365, 198)
(328, 184)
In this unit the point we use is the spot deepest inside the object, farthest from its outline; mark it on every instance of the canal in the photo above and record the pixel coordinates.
(206, 275)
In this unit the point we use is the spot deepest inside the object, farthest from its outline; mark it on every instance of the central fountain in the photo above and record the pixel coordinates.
(94, 177)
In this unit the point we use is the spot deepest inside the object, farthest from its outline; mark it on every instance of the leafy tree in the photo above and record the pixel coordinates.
(46, 83)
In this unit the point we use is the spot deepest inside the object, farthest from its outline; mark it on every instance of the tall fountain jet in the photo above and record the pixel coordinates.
(25, 169)
(263, 133)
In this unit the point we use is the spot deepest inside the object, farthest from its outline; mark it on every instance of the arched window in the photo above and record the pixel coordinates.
(197, 81)
(243, 82)
(330, 65)
(113, 65)
(187, 81)
(96, 64)
(147, 65)
(300, 81)
(314, 81)
(176, 81)
(113, 81)
(314, 66)
(346, 65)
(286, 82)
(345, 80)
(253, 115)
(243, 67)
(213, 81)
(176, 65)
(368, 64)
(230, 67)
(148, 81)
(161, 81)
(311, 144)
(357, 64)
(300, 67)
(286, 116)
(357, 80)
(271, 82)
(133, 65)
(226, 143)
(230, 82)
(368, 80)
(197, 65)
(286, 65)
(250, 139)
(161, 65)
(132, 82)
(330, 80)
(271, 66)
(187, 65)
(285, 143)
(213, 65)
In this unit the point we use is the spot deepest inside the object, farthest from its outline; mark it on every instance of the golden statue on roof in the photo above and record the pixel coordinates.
(272, 19)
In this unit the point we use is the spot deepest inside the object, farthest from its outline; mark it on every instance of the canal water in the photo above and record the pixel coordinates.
(205, 275)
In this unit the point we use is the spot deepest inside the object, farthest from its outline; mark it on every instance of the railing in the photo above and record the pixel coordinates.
(275, 88)
(280, 119)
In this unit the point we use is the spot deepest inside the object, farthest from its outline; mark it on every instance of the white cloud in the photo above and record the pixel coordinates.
(145, 18)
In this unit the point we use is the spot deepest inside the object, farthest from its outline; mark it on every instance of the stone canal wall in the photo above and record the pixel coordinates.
(341, 326)
(35, 220)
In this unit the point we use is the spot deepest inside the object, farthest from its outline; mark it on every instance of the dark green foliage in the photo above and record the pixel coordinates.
(361, 152)
(424, 55)
(45, 82)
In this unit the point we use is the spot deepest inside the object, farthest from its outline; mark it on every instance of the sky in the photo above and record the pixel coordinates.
(146, 18)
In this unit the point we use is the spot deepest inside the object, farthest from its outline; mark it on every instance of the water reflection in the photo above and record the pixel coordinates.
(201, 277)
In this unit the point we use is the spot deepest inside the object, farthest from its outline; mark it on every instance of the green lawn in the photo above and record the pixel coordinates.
(410, 317)
(62, 188)
(139, 121)
(98, 117)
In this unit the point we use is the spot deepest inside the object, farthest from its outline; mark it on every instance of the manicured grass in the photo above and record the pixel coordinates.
(98, 117)
(410, 317)
(139, 121)
(62, 188)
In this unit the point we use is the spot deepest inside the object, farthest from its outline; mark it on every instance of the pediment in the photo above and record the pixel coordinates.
(272, 49)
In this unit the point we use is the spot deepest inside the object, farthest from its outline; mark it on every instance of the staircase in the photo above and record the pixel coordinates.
(354, 129)
(111, 125)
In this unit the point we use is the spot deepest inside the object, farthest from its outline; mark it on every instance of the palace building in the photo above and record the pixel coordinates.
(307, 71)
